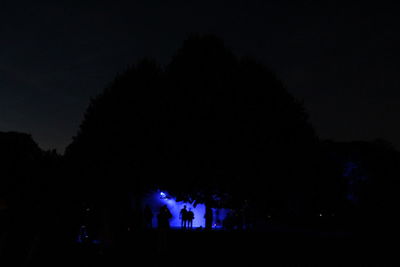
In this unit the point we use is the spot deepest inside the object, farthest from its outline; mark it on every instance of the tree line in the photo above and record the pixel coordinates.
(209, 127)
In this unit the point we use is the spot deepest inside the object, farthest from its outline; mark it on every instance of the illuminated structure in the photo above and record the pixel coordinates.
(157, 199)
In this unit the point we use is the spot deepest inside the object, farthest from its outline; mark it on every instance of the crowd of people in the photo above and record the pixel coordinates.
(233, 219)
(164, 215)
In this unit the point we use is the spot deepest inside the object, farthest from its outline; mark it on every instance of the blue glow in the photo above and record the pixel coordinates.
(83, 234)
(155, 200)
(352, 197)
(349, 168)
(355, 178)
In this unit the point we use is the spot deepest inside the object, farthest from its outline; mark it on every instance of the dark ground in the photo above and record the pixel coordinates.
(222, 248)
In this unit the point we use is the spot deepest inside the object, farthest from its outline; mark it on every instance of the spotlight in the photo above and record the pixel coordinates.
(163, 195)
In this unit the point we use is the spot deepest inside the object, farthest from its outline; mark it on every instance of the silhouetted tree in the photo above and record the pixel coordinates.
(360, 184)
(25, 191)
(210, 125)
(234, 128)
(115, 154)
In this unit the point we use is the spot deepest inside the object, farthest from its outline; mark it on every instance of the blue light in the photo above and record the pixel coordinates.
(83, 234)
(349, 168)
(158, 199)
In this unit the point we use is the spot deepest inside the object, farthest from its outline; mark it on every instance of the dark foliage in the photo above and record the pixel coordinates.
(209, 127)
(29, 202)
(362, 183)
(208, 124)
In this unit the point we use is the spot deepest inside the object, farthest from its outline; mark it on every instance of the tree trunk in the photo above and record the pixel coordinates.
(208, 216)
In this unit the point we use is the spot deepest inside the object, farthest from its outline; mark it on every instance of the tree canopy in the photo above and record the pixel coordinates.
(207, 123)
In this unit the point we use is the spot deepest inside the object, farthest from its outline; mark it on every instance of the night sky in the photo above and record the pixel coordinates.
(341, 58)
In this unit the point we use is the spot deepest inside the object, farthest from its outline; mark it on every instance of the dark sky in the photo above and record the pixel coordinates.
(341, 58)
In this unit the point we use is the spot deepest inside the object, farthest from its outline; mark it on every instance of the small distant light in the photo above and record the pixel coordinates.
(87, 209)
(320, 215)
(269, 216)
(163, 195)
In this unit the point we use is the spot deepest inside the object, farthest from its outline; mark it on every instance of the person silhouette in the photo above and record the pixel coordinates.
(190, 218)
(163, 218)
(148, 217)
(209, 218)
(183, 216)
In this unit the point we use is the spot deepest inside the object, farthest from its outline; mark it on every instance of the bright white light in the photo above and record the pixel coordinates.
(320, 215)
